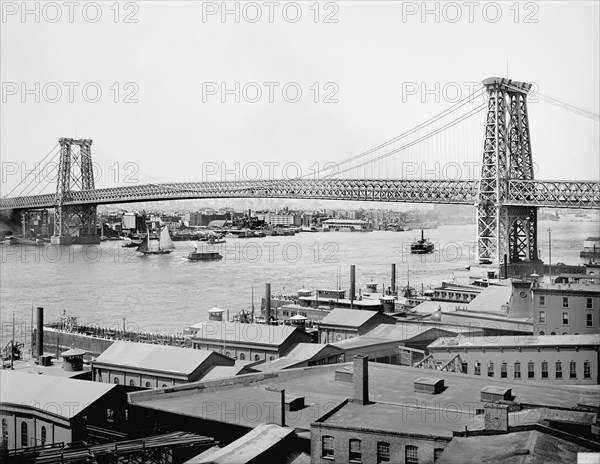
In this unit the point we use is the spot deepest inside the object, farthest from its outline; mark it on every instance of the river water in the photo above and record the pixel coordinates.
(105, 283)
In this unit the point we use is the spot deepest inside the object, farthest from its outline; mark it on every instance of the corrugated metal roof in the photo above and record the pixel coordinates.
(154, 357)
(55, 395)
(262, 334)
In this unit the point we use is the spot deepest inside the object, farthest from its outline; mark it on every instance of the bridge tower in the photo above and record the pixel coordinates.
(504, 230)
(74, 171)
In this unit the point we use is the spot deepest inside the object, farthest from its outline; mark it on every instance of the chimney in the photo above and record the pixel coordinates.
(275, 401)
(352, 283)
(267, 303)
(393, 278)
(361, 379)
(40, 333)
(496, 417)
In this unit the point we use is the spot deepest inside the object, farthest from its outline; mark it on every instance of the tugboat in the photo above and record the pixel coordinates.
(422, 246)
(162, 246)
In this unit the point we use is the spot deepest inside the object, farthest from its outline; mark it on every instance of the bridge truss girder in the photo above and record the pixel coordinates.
(554, 194)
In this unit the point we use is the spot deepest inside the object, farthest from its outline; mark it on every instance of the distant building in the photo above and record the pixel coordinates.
(153, 366)
(132, 222)
(40, 410)
(247, 342)
(556, 359)
(561, 309)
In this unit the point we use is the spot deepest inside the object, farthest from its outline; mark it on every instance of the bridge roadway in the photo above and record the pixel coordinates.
(558, 194)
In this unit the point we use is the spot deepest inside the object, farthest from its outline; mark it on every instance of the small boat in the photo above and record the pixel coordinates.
(215, 240)
(422, 245)
(162, 246)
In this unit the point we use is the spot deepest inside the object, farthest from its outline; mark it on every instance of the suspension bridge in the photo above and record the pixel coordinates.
(505, 194)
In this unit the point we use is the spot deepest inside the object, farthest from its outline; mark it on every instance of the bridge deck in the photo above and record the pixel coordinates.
(558, 194)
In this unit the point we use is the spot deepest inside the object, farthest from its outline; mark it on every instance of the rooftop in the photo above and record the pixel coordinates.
(353, 317)
(246, 448)
(260, 334)
(162, 358)
(388, 384)
(300, 353)
(517, 340)
(492, 298)
(388, 417)
(565, 288)
(67, 397)
(530, 447)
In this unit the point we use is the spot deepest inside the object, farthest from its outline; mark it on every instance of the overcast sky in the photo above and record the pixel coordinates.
(371, 62)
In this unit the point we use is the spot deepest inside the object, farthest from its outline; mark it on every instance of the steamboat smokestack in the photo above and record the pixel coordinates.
(393, 278)
(352, 283)
(40, 333)
(267, 303)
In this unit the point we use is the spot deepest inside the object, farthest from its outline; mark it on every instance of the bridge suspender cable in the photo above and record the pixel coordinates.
(420, 126)
(33, 177)
(424, 137)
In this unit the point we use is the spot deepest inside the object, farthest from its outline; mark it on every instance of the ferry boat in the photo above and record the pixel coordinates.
(422, 245)
(204, 255)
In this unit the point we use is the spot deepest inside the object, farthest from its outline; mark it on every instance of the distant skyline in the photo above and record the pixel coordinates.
(389, 67)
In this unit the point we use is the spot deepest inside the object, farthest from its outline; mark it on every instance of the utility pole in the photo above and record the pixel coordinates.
(550, 254)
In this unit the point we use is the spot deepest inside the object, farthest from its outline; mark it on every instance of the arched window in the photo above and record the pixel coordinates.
(4, 431)
(148, 385)
(411, 454)
(116, 380)
(242, 356)
(355, 450)
(164, 385)
(227, 353)
(271, 358)
(43, 434)
(24, 434)
(256, 357)
(131, 382)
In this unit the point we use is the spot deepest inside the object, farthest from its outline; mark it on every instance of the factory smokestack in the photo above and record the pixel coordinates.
(40, 333)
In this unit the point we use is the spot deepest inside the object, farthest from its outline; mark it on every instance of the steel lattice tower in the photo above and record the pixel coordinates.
(505, 229)
(69, 178)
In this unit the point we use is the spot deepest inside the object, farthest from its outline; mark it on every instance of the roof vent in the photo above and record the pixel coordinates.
(492, 394)
(429, 385)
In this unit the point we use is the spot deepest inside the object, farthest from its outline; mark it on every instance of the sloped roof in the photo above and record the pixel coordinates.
(54, 395)
(162, 358)
(260, 334)
(510, 448)
(300, 353)
(222, 372)
(407, 330)
(351, 317)
(247, 448)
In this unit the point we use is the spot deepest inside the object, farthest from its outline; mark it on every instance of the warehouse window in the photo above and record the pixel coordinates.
(383, 452)
(355, 451)
(411, 454)
(327, 447)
